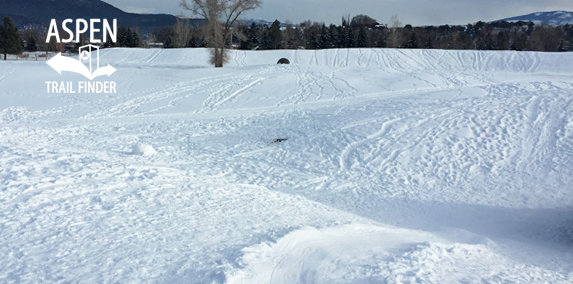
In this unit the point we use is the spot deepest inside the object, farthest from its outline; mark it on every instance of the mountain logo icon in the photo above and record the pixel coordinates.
(61, 63)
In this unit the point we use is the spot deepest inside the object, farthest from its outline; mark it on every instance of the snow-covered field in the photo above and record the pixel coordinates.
(401, 166)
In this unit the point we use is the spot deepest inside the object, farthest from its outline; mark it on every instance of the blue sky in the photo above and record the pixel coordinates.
(414, 12)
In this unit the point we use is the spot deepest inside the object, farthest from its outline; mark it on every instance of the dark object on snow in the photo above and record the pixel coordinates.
(279, 140)
(283, 61)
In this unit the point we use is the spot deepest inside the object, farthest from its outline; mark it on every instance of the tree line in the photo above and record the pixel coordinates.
(359, 31)
(363, 31)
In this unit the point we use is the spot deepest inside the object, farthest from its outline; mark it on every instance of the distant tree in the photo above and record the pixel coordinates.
(429, 43)
(530, 28)
(129, 40)
(125, 38)
(289, 37)
(182, 32)
(168, 43)
(349, 39)
(460, 39)
(363, 20)
(252, 40)
(31, 44)
(485, 42)
(221, 16)
(32, 39)
(135, 39)
(298, 39)
(412, 42)
(275, 35)
(502, 41)
(10, 39)
(345, 20)
(333, 36)
(546, 38)
(108, 42)
(561, 46)
(163, 35)
(122, 40)
(395, 36)
(362, 40)
(521, 42)
(52, 44)
(313, 41)
(324, 37)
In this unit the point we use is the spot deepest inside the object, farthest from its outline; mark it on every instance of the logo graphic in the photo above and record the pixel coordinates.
(61, 63)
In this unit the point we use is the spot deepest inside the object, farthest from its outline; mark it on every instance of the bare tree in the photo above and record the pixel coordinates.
(546, 38)
(220, 15)
(182, 31)
(395, 36)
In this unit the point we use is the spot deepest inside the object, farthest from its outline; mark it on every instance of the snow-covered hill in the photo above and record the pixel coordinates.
(401, 166)
(555, 18)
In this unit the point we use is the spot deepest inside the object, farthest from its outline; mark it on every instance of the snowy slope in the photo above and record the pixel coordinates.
(401, 166)
(554, 18)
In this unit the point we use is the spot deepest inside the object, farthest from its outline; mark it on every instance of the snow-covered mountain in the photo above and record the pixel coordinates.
(555, 18)
(400, 166)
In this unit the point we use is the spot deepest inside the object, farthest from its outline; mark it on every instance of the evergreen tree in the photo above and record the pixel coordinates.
(430, 43)
(362, 40)
(460, 40)
(275, 36)
(125, 38)
(333, 36)
(530, 28)
(266, 40)
(341, 42)
(163, 34)
(135, 40)
(197, 41)
(324, 38)
(10, 40)
(31, 44)
(501, 42)
(168, 43)
(253, 37)
(193, 41)
(313, 42)
(412, 42)
(32, 39)
(521, 42)
(289, 37)
(122, 40)
(108, 42)
(350, 40)
(129, 41)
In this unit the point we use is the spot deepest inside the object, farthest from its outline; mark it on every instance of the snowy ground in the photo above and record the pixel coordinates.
(401, 166)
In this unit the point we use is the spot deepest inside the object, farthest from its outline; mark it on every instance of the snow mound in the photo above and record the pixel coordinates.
(361, 253)
(14, 114)
(345, 254)
(143, 149)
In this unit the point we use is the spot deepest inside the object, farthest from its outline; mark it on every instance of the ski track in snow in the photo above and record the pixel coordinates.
(401, 166)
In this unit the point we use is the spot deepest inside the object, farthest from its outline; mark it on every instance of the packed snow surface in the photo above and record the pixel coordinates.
(400, 166)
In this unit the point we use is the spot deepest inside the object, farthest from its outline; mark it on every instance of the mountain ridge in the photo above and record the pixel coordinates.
(553, 18)
(38, 13)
